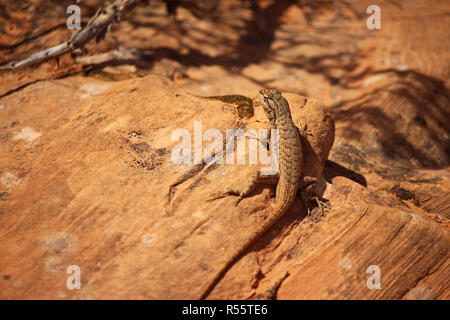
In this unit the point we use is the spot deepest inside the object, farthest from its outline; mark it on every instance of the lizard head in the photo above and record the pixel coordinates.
(274, 104)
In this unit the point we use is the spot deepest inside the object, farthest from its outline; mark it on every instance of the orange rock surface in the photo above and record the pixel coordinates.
(87, 176)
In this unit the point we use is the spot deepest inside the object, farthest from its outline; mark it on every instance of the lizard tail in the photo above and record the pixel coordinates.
(279, 210)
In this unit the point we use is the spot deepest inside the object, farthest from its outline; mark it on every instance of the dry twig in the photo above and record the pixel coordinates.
(97, 27)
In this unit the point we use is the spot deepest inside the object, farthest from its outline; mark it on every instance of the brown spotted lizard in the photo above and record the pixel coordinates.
(289, 176)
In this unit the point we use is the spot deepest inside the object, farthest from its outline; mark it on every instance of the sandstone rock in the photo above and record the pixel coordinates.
(321, 126)
(87, 177)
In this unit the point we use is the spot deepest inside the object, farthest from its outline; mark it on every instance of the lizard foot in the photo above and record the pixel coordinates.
(304, 132)
(321, 203)
(220, 195)
(238, 200)
(228, 192)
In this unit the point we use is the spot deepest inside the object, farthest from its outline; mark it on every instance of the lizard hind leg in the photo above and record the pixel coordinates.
(321, 203)
(255, 179)
(308, 194)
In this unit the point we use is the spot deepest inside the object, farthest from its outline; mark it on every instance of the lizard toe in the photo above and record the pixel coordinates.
(237, 201)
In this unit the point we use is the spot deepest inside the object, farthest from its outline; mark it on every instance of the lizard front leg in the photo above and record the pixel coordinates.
(255, 179)
(303, 131)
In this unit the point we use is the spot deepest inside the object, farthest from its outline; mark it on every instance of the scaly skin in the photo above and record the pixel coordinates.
(277, 110)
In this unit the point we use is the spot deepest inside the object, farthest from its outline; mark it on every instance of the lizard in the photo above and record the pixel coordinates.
(289, 176)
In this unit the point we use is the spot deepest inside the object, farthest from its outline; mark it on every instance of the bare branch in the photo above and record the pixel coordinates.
(97, 26)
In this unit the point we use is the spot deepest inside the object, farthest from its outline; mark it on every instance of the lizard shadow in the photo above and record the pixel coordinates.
(333, 169)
